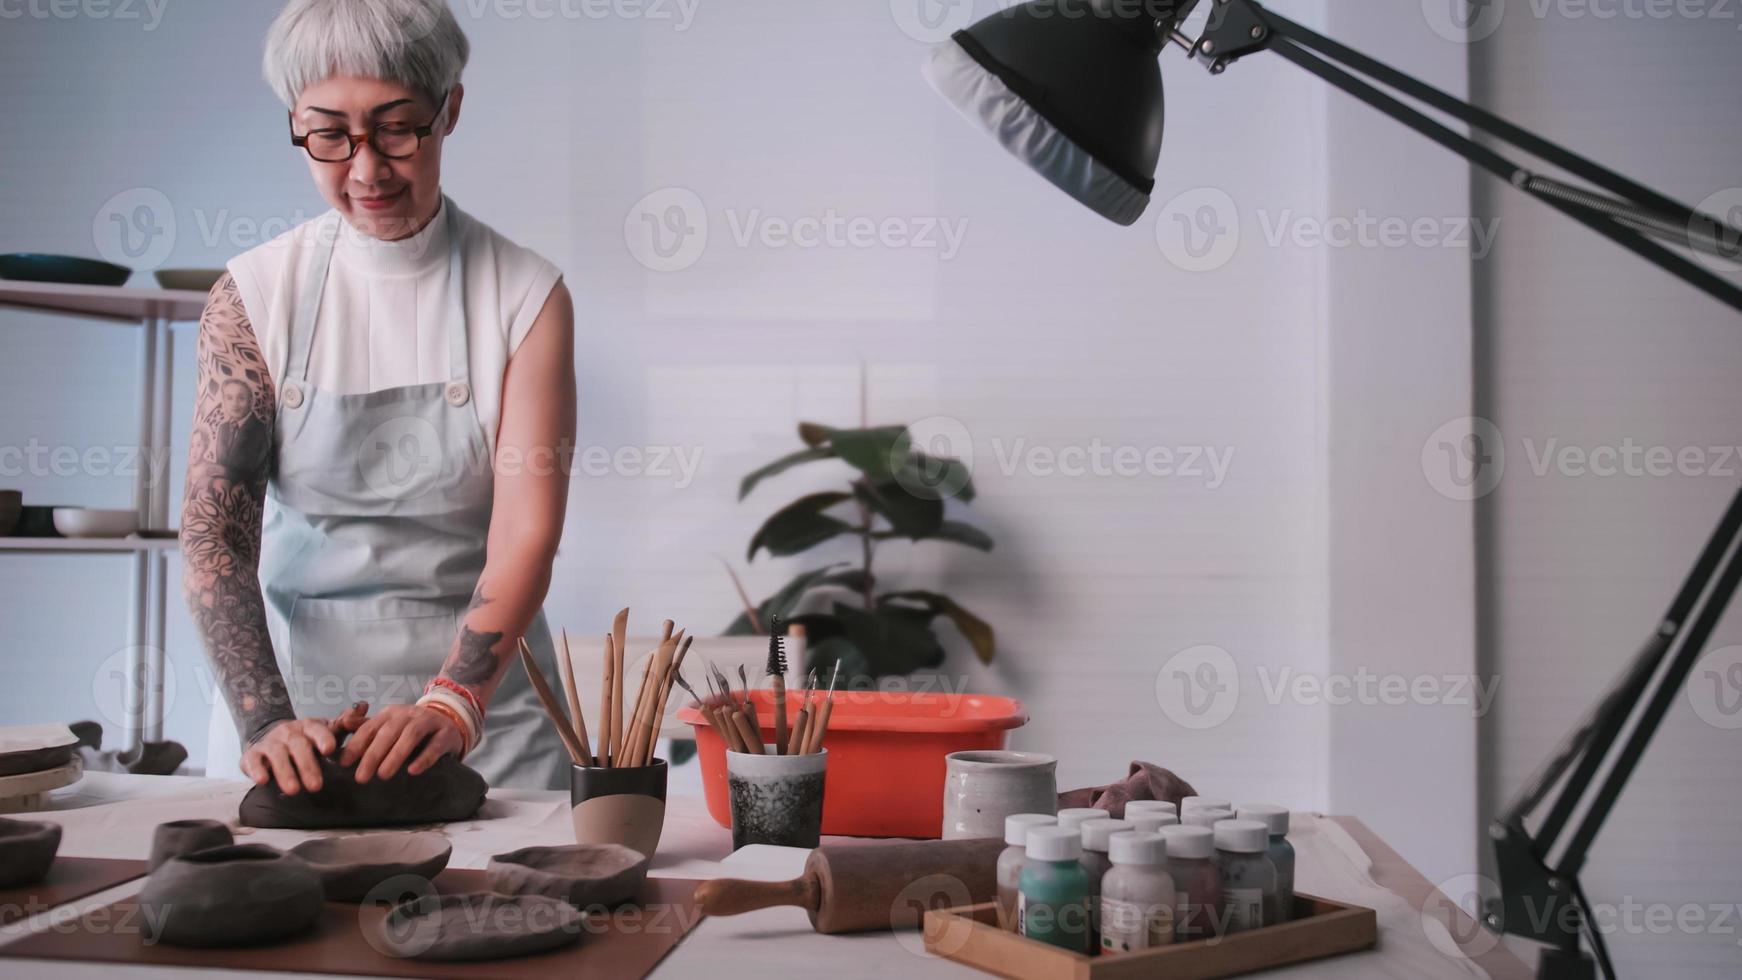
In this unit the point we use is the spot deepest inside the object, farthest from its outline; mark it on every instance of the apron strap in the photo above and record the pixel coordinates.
(459, 363)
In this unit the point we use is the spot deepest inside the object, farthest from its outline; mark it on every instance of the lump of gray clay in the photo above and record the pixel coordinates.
(178, 837)
(476, 926)
(27, 851)
(350, 867)
(582, 875)
(241, 895)
(446, 791)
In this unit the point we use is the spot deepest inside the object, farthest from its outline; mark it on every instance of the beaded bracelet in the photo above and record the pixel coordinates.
(449, 713)
(460, 689)
(471, 726)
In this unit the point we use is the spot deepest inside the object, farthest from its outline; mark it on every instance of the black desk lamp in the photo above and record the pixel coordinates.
(1072, 88)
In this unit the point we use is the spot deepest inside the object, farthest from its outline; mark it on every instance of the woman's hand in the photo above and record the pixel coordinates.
(384, 743)
(289, 751)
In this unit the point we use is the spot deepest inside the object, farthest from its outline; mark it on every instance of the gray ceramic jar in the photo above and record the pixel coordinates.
(982, 787)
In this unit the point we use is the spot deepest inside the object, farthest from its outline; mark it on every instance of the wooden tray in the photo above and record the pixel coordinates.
(1320, 927)
(639, 938)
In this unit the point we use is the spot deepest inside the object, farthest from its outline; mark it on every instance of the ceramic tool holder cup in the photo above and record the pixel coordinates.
(776, 799)
(619, 805)
(982, 787)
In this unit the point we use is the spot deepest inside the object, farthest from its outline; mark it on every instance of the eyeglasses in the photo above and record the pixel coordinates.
(393, 140)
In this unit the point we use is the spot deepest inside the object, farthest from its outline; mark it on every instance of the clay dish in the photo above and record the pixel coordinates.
(241, 895)
(350, 867)
(26, 851)
(476, 926)
(582, 875)
(178, 837)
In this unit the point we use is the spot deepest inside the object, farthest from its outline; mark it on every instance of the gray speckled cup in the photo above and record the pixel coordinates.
(776, 799)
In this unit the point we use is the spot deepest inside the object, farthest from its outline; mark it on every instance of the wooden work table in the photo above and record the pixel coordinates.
(112, 816)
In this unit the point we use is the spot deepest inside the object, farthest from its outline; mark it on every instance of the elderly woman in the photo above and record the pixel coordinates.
(397, 380)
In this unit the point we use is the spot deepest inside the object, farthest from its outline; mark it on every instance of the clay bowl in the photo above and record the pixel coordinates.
(178, 837)
(241, 895)
(351, 867)
(476, 926)
(583, 875)
(27, 851)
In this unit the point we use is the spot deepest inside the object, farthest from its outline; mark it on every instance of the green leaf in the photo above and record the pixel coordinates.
(966, 534)
(822, 657)
(799, 525)
(914, 517)
(783, 602)
(893, 640)
(781, 465)
(877, 452)
(979, 633)
(936, 477)
(814, 434)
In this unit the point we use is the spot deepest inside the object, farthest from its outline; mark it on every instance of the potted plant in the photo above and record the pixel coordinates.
(896, 491)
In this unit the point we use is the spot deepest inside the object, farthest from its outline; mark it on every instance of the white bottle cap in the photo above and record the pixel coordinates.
(1016, 825)
(1149, 823)
(1274, 817)
(1242, 836)
(1188, 842)
(1205, 816)
(1054, 844)
(1073, 816)
(1096, 832)
(1137, 807)
(1132, 847)
(1194, 802)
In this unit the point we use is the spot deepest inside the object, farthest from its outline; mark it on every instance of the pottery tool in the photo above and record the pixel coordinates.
(607, 721)
(795, 742)
(565, 669)
(820, 726)
(648, 701)
(749, 705)
(776, 669)
(871, 886)
(664, 698)
(619, 639)
(704, 707)
(632, 747)
(546, 698)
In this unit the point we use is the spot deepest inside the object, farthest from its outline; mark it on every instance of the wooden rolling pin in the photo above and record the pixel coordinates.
(871, 886)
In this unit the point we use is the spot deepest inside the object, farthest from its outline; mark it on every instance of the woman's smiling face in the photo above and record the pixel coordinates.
(381, 197)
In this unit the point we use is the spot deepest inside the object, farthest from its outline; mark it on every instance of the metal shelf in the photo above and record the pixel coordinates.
(88, 546)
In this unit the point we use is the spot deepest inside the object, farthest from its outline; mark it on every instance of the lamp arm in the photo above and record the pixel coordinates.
(1237, 28)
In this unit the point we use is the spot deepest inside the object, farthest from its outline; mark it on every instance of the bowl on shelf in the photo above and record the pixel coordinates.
(95, 522)
(36, 521)
(11, 508)
(887, 754)
(39, 267)
(198, 279)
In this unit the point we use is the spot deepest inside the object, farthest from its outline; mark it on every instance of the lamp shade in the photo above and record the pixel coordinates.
(1070, 87)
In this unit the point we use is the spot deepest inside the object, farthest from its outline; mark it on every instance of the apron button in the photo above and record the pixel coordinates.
(458, 393)
(292, 396)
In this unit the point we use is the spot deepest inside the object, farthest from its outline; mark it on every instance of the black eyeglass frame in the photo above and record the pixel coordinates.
(420, 131)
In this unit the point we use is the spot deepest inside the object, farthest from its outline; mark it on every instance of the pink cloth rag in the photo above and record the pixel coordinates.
(1146, 781)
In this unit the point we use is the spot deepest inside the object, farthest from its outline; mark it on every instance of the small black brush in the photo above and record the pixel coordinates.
(777, 669)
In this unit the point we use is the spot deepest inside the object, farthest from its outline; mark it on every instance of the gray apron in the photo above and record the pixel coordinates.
(379, 510)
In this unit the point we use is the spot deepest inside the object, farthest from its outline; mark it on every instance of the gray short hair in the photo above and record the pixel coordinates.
(414, 42)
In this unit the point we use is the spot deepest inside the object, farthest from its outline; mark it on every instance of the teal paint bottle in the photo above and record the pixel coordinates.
(1052, 904)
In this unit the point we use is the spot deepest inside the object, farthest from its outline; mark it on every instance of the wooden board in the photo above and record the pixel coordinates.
(1320, 928)
(69, 880)
(635, 940)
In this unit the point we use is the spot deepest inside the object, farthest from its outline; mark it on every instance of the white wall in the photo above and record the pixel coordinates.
(1586, 347)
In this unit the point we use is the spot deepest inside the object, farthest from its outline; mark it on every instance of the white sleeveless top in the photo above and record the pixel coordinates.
(380, 318)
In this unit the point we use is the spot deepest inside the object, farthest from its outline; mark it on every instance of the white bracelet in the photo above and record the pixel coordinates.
(471, 726)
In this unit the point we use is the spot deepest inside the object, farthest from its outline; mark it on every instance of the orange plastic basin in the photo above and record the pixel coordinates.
(886, 755)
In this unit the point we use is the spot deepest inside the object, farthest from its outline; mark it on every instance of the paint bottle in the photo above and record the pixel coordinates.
(1011, 859)
(1248, 877)
(1138, 808)
(1073, 816)
(1137, 894)
(1281, 854)
(1203, 802)
(1205, 816)
(1096, 838)
(1149, 822)
(1191, 863)
(1052, 903)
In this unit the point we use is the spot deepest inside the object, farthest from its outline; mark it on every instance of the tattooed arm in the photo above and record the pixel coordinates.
(534, 446)
(229, 459)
